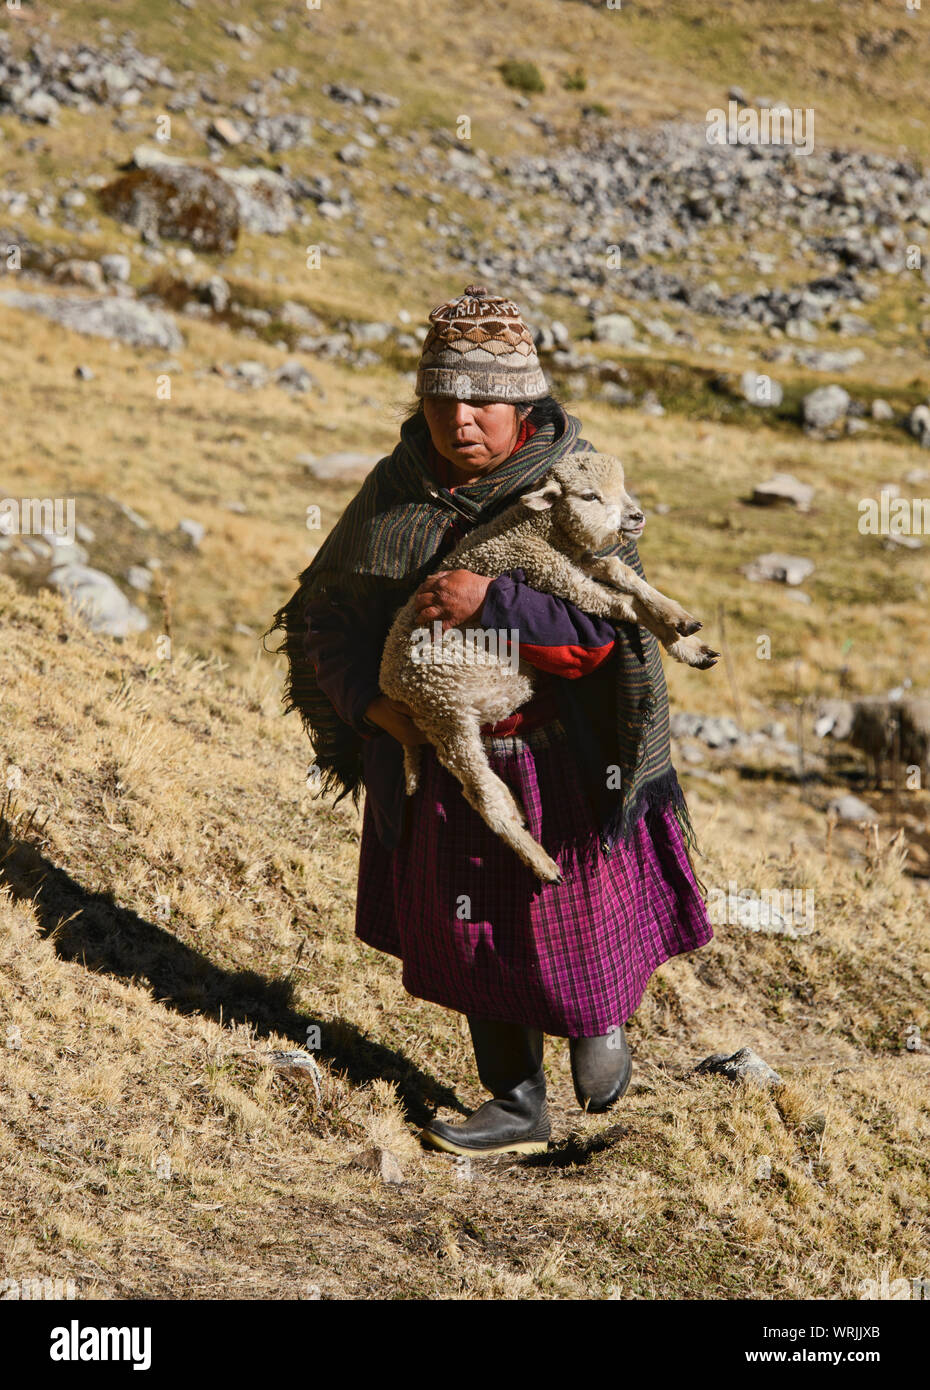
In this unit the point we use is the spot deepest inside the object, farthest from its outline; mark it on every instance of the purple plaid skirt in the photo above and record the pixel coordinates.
(476, 930)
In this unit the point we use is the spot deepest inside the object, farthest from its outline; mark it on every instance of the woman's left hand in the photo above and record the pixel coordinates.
(452, 596)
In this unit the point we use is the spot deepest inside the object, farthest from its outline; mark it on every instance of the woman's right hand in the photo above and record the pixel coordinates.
(395, 718)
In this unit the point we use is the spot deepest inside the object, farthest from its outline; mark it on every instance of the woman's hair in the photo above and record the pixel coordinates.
(547, 410)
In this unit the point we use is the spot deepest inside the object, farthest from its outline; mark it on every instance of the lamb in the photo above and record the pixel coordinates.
(453, 686)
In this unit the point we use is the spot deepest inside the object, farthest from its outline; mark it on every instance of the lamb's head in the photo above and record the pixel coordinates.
(590, 505)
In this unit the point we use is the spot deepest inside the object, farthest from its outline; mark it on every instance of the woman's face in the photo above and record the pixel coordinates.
(474, 435)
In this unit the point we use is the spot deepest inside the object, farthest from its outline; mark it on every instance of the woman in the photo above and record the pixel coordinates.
(587, 756)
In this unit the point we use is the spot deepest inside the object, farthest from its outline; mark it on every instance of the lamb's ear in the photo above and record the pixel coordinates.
(547, 494)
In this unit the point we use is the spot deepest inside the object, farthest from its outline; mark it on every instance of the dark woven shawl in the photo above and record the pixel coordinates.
(385, 544)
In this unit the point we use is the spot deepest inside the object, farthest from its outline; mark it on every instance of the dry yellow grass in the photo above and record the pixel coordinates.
(149, 1149)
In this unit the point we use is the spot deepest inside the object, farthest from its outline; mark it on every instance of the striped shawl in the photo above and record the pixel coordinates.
(385, 544)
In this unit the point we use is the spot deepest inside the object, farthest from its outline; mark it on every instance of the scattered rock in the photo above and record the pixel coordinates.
(346, 466)
(139, 577)
(177, 201)
(229, 132)
(743, 1065)
(825, 407)
(881, 410)
(294, 375)
(193, 530)
(76, 272)
(783, 487)
(116, 268)
(618, 329)
(98, 600)
(781, 569)
(824, 361)
(381, 1162)
(713, 730)
(103, 317)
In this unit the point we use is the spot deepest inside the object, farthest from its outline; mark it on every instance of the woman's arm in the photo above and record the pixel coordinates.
(554, 634)
(345, 653)
(344, 643)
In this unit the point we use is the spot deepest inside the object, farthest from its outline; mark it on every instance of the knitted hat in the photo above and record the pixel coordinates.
(479, 348)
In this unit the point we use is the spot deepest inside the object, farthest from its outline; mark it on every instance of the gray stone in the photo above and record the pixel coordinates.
(783, 487)
(299, 1066)
(852, 325)
(116, 267)
(615, 394)
(381, 1162)
(781, 569)
(264, 200)
(215, 292)
(618, 329)
(139, 577)
(78, 272)
(298, 316)
(825, 406)
(40, 106)
(743, 1065)
(348, 465)
(714, 731)
(193, 530)
(97, 600)
(881, 410)
(294, 375)
(825, 361)
(103, 317)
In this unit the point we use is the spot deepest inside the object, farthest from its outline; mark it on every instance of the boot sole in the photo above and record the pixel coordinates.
(522, 1146)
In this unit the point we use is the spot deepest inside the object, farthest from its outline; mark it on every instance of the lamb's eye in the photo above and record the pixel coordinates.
(589, 497)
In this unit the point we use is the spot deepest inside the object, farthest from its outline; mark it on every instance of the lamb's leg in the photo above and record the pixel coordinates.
(593, 597)
(664, 609)
(459, 748)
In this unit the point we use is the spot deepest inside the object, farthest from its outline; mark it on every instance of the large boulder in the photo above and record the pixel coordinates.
(98, 600)
(179, 202)
(263, 198)
(103, 316)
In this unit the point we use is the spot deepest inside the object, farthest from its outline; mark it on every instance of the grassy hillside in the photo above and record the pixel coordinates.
(179, 906)
(175, 906)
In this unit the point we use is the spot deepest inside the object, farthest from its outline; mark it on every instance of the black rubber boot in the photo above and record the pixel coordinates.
(509, 1059)
(601, 1069)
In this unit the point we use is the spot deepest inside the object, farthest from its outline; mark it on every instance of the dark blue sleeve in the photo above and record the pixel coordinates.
(554, 634)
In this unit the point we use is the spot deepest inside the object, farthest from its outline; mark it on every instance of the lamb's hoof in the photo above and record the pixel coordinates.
(687, 626)
(693, 653)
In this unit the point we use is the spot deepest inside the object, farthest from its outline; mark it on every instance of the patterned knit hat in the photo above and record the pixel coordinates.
(479, 348)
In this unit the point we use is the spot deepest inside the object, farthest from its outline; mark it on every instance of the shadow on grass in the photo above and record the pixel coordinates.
(108, 939)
